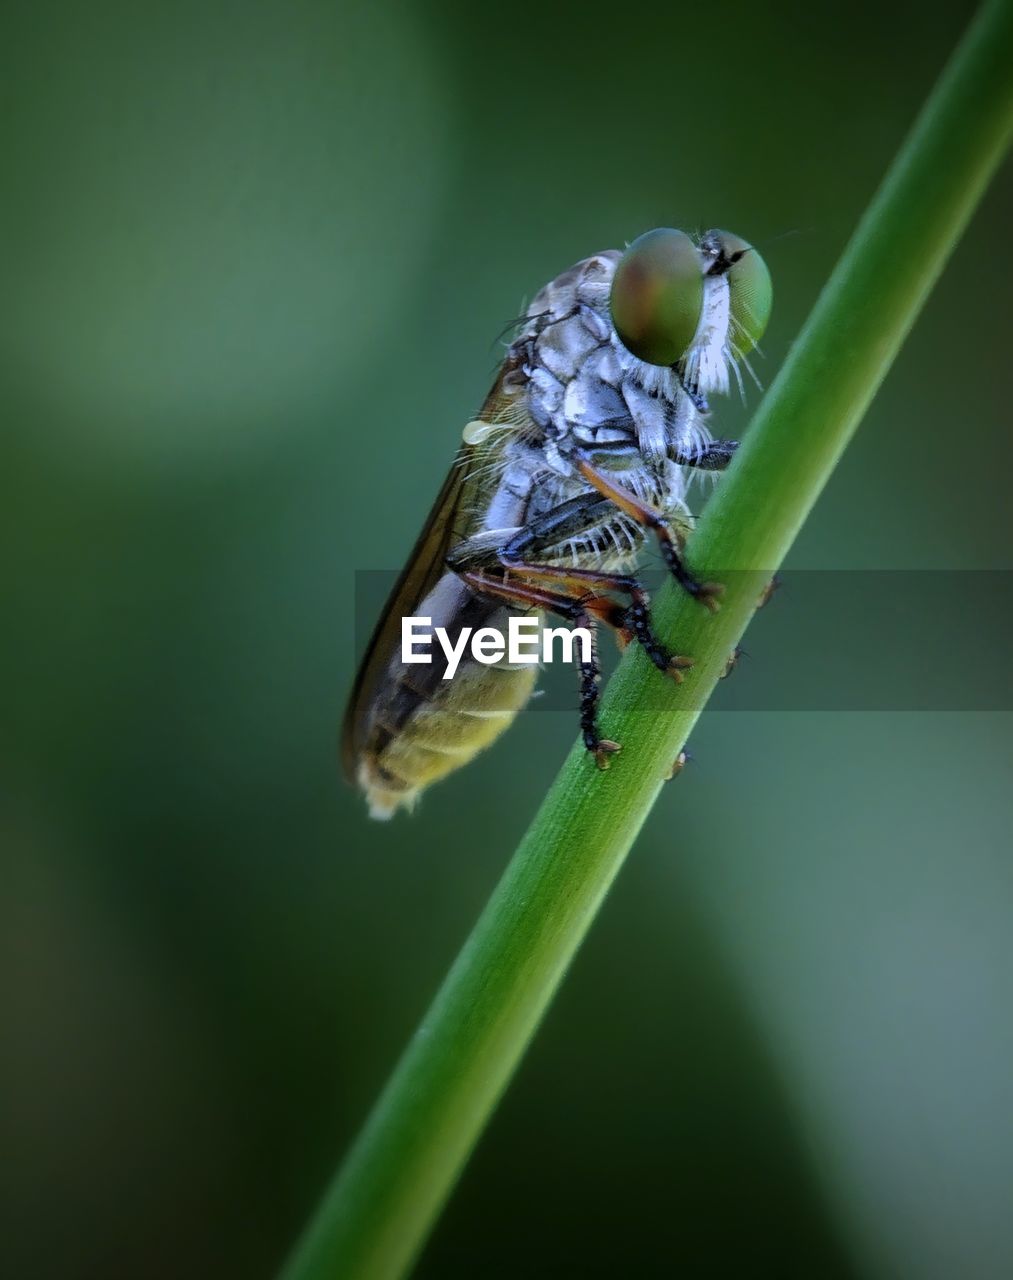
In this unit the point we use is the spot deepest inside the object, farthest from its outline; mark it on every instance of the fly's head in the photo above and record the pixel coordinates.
(696, 307)
(620, 352)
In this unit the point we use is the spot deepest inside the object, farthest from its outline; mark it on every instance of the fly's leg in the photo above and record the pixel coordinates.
(632, 622)
(576, 516)
(714, 456)
(694, 393)
(579, 611)
(650, 518)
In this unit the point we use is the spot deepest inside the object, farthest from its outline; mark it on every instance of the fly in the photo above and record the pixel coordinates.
(582, 452)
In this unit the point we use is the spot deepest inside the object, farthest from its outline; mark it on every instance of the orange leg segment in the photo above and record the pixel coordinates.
(650, 518)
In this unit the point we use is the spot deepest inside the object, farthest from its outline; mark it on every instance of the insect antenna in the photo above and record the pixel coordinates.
(785, 235)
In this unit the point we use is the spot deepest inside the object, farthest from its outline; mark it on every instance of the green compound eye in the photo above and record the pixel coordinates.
(657, 296)
(751, 293)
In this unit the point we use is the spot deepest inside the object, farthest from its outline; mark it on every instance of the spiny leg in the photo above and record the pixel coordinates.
(632, 621)
(571, 519)
(650, 518)
(575, 609)
(714, 456)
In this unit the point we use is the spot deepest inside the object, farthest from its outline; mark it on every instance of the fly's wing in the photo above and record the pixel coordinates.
(426, 565)
(424, 568)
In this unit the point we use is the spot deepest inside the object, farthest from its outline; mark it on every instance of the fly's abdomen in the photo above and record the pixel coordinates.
(418, 738)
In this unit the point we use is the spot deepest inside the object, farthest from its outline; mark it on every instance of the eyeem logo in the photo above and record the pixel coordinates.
(525, 641)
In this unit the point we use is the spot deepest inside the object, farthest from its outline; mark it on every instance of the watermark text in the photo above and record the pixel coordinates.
(526, 640)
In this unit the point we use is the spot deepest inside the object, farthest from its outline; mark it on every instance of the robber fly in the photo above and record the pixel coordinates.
(583, 450)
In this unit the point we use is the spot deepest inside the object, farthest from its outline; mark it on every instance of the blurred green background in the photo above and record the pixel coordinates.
(254, 259)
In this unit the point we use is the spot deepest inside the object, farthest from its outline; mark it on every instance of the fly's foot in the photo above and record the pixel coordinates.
(603, 751)
(768, 591)
(677, 664)
(706, 592)
(709, 594)
(636, 622)
(677, 766)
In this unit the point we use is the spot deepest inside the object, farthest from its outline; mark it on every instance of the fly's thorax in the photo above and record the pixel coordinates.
(615, 542)
(586, 390)
(587, 281)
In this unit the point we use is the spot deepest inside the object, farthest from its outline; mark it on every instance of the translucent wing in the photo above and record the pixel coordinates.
(424, 568)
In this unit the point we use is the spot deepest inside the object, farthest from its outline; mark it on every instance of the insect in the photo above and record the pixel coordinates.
(582, 452)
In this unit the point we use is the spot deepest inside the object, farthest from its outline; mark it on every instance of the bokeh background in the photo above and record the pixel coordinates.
(254, 260)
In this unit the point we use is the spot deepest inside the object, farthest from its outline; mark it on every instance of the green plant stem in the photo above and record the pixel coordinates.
(378, 1212)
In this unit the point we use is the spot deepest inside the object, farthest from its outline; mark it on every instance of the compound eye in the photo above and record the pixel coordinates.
(751, 293)
(657, 296)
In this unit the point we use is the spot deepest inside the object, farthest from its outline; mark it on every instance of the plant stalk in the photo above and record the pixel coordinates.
(378, 1212)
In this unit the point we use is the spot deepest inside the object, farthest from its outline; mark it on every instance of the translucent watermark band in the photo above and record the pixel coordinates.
(829, 640)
